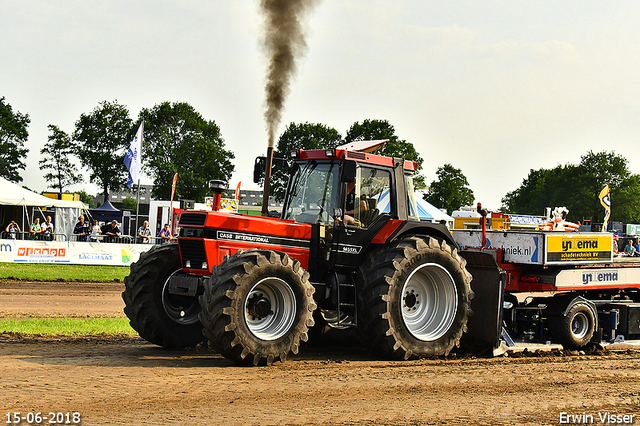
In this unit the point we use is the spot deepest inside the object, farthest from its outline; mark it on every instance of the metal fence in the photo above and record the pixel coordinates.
(27, 236)
(122, 239)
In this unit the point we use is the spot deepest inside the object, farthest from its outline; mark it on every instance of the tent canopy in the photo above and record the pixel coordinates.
(425, 210)
(12, 194)
(106, 213)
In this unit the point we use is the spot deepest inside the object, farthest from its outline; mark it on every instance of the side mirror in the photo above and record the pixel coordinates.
(257, 169)
(348, 171)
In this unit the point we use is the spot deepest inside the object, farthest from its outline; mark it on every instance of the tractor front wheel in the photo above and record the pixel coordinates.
(160, 317)
(257, 307)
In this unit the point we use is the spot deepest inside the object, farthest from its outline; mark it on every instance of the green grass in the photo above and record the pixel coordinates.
(54, 272)
(67, 327)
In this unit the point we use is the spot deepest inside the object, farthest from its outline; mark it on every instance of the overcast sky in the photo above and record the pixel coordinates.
(495, 88)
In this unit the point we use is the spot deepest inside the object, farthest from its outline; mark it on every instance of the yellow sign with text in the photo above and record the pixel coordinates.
(579, 248)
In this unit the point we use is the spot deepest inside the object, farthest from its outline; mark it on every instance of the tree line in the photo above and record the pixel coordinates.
(177, 139)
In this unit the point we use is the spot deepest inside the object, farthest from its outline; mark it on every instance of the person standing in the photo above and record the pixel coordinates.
(144, 233)
(34, 229)
(46, 229)
(95, 231)
(165, 234)
(13, 230)
(81, 229)
(112, 231)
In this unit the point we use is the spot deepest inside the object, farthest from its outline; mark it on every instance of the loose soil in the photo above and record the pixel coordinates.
(131, 382)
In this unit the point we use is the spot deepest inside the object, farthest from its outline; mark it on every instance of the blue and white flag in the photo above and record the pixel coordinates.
(132, 159)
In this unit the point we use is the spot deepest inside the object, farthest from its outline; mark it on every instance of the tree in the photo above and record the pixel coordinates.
(129, 204)
(177, 139)
(578, 188)
(13, 135)
(541, 188)
(596, 171)
(381, 129)
(295, 137)
(86, 198)
(56, 158)
(101, 140)
(451, 189)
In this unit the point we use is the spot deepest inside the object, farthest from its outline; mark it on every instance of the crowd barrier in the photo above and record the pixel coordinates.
(28, 236)
(118, 251)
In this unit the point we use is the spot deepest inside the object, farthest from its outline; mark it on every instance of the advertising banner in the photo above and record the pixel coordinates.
(579, 248)
(517, 247)
(584, 279)
(79, 253)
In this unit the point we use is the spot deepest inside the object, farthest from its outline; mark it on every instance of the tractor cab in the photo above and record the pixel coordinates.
(348, 196)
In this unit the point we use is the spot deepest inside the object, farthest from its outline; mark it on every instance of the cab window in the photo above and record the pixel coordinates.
(367, 196)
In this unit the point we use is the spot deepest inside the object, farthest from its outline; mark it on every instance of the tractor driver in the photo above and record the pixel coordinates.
(349, 218)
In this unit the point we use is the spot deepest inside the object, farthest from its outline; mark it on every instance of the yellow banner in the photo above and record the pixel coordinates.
(579, 248)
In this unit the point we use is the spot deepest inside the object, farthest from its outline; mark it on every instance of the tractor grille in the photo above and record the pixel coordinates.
(192, 251)
(197, 219)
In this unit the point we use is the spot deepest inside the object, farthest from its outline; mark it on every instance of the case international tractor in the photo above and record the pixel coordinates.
(348, 251)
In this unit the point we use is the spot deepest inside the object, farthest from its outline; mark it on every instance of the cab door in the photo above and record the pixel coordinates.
(367, 205)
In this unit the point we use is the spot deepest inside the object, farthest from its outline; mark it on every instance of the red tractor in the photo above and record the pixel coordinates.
(349, 250)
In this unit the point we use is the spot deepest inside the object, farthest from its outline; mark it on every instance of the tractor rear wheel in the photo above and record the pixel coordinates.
(159, 317)
(257, 307)
(414, 299)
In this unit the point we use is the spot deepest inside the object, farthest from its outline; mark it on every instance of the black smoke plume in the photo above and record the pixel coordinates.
(284, 43)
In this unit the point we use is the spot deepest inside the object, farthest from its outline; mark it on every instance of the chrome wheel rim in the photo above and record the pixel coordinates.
(429, 302)
(580, 325)
(270, 308)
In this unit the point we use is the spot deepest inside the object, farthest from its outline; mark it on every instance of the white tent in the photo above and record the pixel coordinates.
(15, 195)
(67, 212)
(426, 211)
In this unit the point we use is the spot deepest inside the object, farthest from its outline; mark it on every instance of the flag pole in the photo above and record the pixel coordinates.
(137, 209)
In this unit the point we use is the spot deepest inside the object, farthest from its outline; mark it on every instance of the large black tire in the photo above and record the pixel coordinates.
(575, 329)
(257, 307)
(167, 320)
(414, 299)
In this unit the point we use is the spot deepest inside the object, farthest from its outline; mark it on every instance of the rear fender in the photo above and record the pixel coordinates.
(488, 284)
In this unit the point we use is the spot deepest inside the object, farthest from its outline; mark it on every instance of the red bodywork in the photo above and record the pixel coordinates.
(226, 233)
(531, 280)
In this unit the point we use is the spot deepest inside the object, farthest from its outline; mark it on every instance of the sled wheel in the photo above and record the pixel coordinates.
(575, 329)
(257, 307)
(165, 319)
(414, 299)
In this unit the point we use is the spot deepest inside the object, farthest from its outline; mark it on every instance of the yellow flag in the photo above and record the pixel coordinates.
(606, 203)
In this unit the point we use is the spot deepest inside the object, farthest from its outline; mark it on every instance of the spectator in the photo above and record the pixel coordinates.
(629, 249)
(81, 229)
(111, 231)
(637, 246)
(144, 233)
(165, 234)
(46, 229)
(12, 229)
(34, 229)
(95, 231)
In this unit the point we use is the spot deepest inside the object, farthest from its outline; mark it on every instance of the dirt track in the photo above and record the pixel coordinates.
(130, 382)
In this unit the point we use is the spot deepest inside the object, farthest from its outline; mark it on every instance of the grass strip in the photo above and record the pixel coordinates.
(68, 327)
(54, 272)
